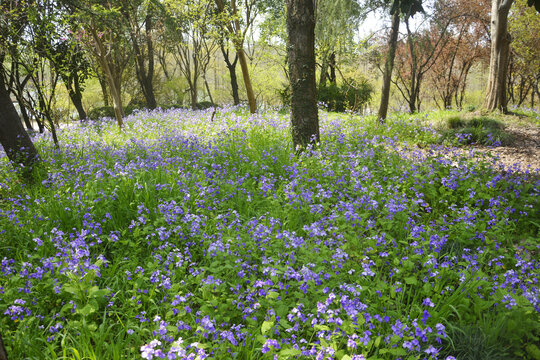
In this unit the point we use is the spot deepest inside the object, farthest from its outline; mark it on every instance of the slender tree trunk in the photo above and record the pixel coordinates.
(389, 66)
(114, 80)
(145, 73)
(232, 72)
(193, 94)
(117, 100)
(324, 71)
(332, 65)
(13, 137)
(208, 89)
(76, 98)
(247, 79)
(301, 51)
(3, 352)
(24, 113)
(104, 91)
(498, 65)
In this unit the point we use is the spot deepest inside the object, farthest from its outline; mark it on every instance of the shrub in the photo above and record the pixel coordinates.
(205, 105)
(101, 112)
(353, 95)
(134, 104)
(480, 130)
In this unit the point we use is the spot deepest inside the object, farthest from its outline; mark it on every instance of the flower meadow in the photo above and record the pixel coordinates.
(193, 236)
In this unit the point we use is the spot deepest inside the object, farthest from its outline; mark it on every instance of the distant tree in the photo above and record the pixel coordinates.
(419, 53)
(397, 7)
(337, 21)
(301, 51)
(231, 66)
(104, 36)
(189, 36)
(237, 26)
(140, 18)
(467, 36)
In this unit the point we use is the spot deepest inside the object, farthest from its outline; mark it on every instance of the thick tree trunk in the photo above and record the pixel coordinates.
(498, 65)
(231, 66)
(388, 67)
(3, 352)
(13, 137)
(301, 51)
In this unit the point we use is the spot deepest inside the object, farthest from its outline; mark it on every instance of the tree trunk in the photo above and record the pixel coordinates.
(332, 65)
(389, 66)
(232, 72)
(247, 80)
(117, 100)
(301, 51)
(193, 94)
(145, 73)
(324, 71)
(208, 89)
(3, 353)
(13, 137)
(104, 91)
(498, 65)
(25, 116)
(76, 98)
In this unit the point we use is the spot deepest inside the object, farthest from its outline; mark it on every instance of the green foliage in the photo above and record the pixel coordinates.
(478, 130)
(134, 104)
(101, 112)
(352, 95)
(496, 336)
(203, 105)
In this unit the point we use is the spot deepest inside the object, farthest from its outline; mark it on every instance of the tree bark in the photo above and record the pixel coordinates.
(76, 98)
(301, 51)
(104, 91)
(247, 80)
(332, 65)
(231, 66)
(388, 67)
(13, 138)
(498, 64)
(3, 352)
(193, 94)
(114, 80)
(145, 72)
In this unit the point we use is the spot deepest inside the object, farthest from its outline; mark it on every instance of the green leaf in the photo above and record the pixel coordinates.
(288, 353)
(266, 326)
(411, 280)
(90, 308)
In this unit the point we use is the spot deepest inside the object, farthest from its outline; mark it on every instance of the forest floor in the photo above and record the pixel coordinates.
(524, 149)
(520, 153)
